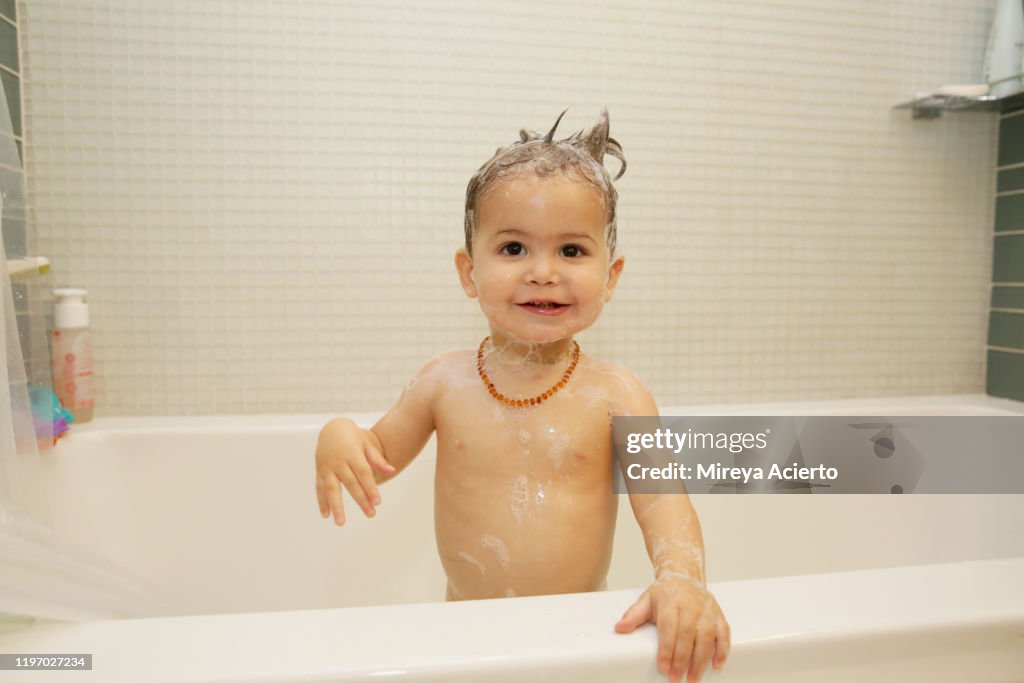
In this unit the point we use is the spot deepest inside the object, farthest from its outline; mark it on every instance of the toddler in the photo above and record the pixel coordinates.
(523, 488)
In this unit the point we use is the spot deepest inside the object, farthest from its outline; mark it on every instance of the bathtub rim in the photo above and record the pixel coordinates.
(275, 646)
(262, 422)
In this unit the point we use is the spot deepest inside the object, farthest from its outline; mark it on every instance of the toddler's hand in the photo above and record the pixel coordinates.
(348, 454)
(691, 626)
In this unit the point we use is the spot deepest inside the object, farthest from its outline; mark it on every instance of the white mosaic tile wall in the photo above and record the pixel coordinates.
(263, 198)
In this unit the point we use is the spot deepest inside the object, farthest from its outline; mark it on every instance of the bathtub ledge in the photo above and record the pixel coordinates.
(553, 636)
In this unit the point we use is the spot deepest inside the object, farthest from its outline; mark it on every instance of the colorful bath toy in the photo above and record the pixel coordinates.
(49, 417)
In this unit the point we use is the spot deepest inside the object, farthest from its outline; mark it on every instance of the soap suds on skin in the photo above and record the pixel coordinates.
(666, 567)
(496, 546)
(448, 369)
(525, 364)
(558, 445)
(647, 504)
(463, 555)
(666, 576)
(541, 497)
(520, 498)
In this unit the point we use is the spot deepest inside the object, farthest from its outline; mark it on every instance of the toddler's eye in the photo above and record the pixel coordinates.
(512, 249)
(572, 251)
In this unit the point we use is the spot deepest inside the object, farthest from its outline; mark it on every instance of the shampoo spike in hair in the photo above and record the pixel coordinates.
(598, 143)
(551, 133)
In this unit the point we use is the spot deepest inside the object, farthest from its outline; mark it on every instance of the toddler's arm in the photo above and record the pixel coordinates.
(359, 458)
(692, 631)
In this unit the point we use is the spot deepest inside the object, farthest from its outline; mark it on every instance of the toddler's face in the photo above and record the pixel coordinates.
(540, 264)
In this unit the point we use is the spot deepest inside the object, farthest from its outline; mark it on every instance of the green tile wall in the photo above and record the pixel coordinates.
(1008, 260)
(1010, 212)
(1005, 367)
(9, 46)
(15, 232)
(13, 93)
(1006, 329)
(1015, 103)
(15, 236)
(1008, 297)
(1012, 179)
(10, 73)
(1011, 140)
(1005, 374)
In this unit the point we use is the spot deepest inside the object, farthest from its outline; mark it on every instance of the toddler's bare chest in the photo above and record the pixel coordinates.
(560, 438)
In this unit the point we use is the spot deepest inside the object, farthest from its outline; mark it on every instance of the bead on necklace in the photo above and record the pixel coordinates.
(524, 402)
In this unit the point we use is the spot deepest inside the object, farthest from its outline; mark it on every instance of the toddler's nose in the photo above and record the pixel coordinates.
(542, 271)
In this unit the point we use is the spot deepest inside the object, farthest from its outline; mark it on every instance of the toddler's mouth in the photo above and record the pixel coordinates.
(544, 307)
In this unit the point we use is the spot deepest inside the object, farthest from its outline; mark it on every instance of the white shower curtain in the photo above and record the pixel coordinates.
(42, 574)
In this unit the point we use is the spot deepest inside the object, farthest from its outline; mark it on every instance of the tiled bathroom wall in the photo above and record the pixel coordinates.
(263, 198)
(1006, 323)
(10, 66)
(10, 75)
(28, 293)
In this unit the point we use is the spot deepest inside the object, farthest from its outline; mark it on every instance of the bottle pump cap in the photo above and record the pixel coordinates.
(70, 309)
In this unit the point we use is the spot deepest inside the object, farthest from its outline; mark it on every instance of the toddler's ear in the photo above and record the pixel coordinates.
(614, 271)
(464, 267)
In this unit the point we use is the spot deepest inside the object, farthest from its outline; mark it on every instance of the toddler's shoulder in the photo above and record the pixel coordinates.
(614, 377)
(446, 369)
(627, 394)
(448, 361)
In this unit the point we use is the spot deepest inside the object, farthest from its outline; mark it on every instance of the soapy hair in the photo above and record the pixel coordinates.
(579, 156)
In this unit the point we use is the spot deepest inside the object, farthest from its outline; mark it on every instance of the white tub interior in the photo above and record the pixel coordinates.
(221, 511)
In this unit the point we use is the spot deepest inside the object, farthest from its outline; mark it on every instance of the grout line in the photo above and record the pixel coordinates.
(1010, 193)
(1012, 114)
(10, 71)
(1008, 233)
(1010, 167)
(1003, 349)
(10, 21)
(1007, 310)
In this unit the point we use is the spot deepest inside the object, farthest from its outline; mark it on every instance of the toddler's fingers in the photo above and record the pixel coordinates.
(378, 461)
(723, 642)
(638, 613)
(321, 498)
(668, 625)
(333, 492)
(704, 647)
(684, 635)
(355, 489)
(364, 475)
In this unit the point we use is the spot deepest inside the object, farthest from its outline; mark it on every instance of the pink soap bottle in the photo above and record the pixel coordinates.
(72, 353)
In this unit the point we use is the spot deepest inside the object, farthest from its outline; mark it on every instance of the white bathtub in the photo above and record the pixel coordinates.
(222, 512)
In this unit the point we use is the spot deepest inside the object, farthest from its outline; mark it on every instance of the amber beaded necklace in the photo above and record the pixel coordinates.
(522, 402)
